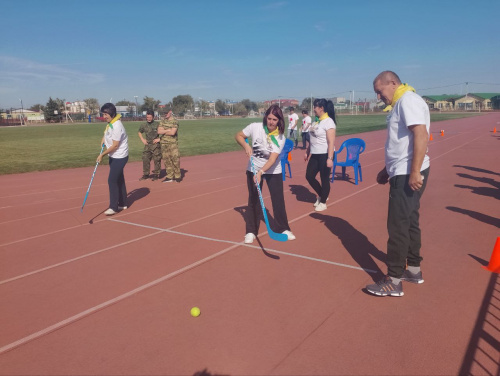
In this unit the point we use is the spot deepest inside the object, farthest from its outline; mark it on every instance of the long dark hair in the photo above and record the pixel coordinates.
(276, 111)
(109, 108)
(327, 106)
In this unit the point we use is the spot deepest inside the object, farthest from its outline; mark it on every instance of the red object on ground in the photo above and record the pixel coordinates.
(494, 265)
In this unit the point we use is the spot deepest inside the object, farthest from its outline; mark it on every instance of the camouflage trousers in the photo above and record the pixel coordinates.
(151, 152)
(172, 159)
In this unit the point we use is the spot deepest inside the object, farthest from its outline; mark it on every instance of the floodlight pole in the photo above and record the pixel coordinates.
(22, 112)
(135, 96)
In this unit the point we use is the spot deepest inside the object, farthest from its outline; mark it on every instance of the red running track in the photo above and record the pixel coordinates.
(113, 296)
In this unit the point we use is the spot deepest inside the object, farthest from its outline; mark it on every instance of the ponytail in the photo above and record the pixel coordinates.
(327, 106)
(330, 108)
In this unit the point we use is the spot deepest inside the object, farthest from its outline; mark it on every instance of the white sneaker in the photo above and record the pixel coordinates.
(249, 238)
(290, 235)
(318, 201)
(122, 207)
(320, 207)
(110, 212)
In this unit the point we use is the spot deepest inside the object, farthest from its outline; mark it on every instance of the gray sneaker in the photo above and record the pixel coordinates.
(412, 277)
(385, 287)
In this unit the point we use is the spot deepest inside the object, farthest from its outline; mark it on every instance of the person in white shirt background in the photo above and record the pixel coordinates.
(293, 118)
(320, 152)
(268, 140)
(306, 123)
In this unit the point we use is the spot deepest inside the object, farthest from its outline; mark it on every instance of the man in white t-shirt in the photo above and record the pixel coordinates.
(407, 171)
(306, 123)
(293, 118)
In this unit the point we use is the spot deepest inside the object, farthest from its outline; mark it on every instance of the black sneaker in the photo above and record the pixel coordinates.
(155, 178)
(167, 180)
(385, 287)
(144, 177)
(412, 277)
(178, 180)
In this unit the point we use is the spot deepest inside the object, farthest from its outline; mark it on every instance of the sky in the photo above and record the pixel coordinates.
(233, 50)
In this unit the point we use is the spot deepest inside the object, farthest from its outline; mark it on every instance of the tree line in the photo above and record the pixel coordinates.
(54, 109)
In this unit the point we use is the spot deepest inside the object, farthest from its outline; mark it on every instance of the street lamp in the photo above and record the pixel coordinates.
(135, 96)
(22, 112)
(201, 107)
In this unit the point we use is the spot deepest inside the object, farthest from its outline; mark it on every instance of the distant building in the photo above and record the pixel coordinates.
(30, 116)
(283, 103)
(78, 107)
(126, 111)
(467, 102)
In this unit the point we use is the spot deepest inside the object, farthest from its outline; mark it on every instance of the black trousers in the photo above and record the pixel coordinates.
(116, 183)
(403, 226)
(292, 133)
(253, 214)
(317, 163)
(305, 138)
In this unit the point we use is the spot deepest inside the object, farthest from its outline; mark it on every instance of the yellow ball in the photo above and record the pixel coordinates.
(195, 312)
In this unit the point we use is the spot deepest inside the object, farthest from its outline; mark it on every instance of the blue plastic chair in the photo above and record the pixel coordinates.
(354, 147)
(284, 157)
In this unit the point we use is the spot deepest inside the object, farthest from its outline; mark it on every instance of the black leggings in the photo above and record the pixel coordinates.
(275, 185)
(317, 163)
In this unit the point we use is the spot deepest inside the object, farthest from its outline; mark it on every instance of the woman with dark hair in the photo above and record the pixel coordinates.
(267, 142)
(321, 150)
(116, 141)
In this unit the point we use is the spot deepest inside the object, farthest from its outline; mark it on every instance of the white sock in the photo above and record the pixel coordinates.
(414, 269)
(396, 281)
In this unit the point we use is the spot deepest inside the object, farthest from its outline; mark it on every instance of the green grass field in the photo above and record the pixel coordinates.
(52, 147)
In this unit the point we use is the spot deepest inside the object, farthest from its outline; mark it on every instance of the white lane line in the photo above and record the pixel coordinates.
(76, 258)
(121, 215)
(110, 302)
(242, 244)
(99, 203)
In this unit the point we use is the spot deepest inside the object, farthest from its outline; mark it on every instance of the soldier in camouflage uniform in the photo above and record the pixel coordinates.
(170, 148)
(152, 148)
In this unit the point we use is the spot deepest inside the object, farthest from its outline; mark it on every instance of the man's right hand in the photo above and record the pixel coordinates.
(382, 176)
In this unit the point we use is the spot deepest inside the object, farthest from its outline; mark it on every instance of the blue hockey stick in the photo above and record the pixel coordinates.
(91, 180)
(273, 235)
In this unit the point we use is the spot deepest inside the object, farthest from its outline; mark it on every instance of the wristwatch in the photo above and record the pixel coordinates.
(330, 158)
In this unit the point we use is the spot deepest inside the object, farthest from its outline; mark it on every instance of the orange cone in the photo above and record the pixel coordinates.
(494, 265)
(289, 156)
(442, 132)
(495, 130)
(430, 139)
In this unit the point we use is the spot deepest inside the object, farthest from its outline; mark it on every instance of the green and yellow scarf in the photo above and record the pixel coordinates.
(271, 136)
(403, 88)
(110, 124)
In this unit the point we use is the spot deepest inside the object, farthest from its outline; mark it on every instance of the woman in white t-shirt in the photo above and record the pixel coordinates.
(267, 142)
(321, 149)
(116, 141)
(306, 123)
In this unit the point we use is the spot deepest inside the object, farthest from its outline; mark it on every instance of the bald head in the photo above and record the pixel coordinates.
(385, 85)
(386, 77)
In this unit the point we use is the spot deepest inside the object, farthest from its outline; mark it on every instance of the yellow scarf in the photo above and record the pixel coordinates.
(403, 88)
(323, 117)
(110, 124)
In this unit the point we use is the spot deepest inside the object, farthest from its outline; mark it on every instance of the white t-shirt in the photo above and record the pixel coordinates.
(292, 121)
(306, 123)
(317, 135)
(262, 148)
(117, 133)
(409, 110)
